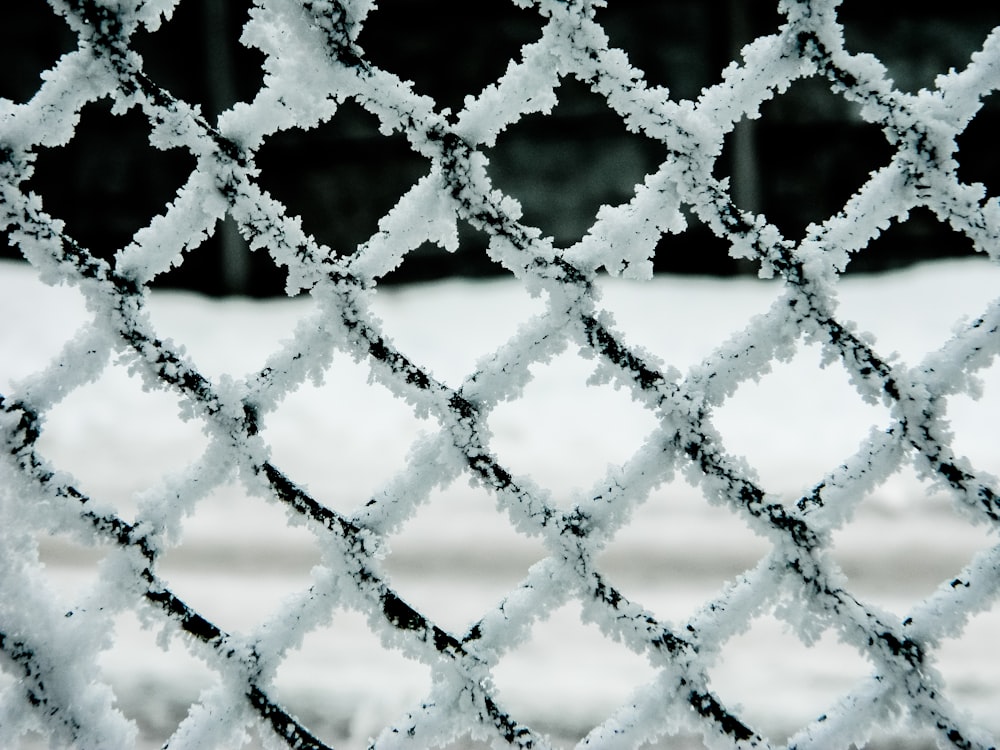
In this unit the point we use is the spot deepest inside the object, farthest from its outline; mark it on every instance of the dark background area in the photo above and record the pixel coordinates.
(798, 163)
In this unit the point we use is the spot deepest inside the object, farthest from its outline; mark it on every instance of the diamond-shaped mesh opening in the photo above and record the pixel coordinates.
(577, 672)
(581, 137)
(237, 579)
(345, 460)
(917, 44)
(345, 685)
(967, 662)
(215, 70)
(677, 551)
(776, 684)
(124, 179)
(55, 315)
(154, 676)
(709, 317)
(422, 41)
(565, 434)
(808, 152)
(765, 420)
(316, 174)
(454, 560)
(32, 38)
(117, 439)
(904, 540)
(445, 343)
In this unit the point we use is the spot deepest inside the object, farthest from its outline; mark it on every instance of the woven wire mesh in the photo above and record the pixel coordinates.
(313, 64)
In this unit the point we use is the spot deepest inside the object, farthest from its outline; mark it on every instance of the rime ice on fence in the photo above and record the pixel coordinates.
(313, 65)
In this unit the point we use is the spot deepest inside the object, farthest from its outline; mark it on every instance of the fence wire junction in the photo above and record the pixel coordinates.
(313, 64)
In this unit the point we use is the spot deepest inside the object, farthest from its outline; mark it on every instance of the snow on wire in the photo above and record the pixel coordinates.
(312, 65)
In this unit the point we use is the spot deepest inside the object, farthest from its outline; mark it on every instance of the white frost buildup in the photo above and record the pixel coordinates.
(305, 607)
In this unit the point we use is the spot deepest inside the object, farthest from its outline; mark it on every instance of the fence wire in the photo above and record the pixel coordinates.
(313, 64)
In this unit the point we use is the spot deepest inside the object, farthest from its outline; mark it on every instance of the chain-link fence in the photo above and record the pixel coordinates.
(314, 66)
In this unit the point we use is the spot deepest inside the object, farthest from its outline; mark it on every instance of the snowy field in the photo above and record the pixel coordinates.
(458, 556)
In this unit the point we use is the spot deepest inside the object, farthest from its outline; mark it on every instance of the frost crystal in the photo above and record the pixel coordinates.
(312, 65)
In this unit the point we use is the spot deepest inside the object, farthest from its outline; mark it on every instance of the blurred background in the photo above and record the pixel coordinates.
(798, 163)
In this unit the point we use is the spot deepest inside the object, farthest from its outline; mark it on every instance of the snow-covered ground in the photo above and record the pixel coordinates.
(459, 555)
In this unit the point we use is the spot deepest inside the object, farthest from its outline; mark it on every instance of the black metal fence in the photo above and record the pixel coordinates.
(315, 67)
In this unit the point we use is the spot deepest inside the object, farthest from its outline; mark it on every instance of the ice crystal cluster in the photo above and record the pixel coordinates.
(313, 65)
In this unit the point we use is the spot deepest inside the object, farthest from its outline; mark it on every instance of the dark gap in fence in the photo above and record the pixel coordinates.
(213, 68)
(582, 137)
(340, 177)
(421, 42)
(108, 181)
(28, 48)
(978, 155)
(810, 151)
(671, 62)
(30, 44)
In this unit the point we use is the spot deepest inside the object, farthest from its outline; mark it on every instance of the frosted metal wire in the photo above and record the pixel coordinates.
(312, 65)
